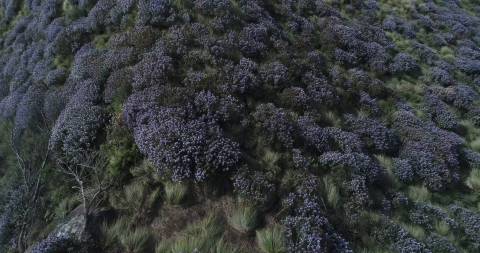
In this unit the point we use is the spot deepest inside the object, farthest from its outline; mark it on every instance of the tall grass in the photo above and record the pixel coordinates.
(175, 193)
(331, 191)
(270, 240)
(416, 231)
(137, 199)
(419, 193)
(111, 233)
(442, 228)
(243, 218)
(122, 233)
(135, 241)
(204, 236)
(473, 180)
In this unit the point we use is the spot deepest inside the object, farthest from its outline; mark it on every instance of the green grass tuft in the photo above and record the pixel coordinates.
(473, 180)
(111, 233)
(270, 240)
(442, 228)
(204, 236)
(136, 241)
(175, 193)
(331, 191)
(416, 231)
(137, 199)
(419, 193)
(243, 218)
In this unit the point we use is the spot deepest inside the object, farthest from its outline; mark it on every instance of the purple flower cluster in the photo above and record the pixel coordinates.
(440, 244)
(470, 223)
(442, 76)
(369, 103)
(403, 170)
(359, 164)
(374, 133)
(275, 124)
(471, 157)
(53, 244)
(29, 110)
(253, 40)
(212, 7)
(307, 228)
(153, 70)
(183, 142)
(274, 73)
(439, 112)
(426, 215)
(433, 153)
(468, 66)
(357, 190)
(404, 63)
(345, 57)
(313, 135)
(208, 85)
(319, 91)
(244, 76)
(9, 104)
(399, 239)
(76, 131)
(461, 96)
(254, 186)
(154, 12)
(299, 160)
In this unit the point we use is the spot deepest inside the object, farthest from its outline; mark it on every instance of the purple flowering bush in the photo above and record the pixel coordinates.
(328, 118)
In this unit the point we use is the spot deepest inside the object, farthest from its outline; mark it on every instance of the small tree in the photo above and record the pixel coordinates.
(88, 178)
(31, 164)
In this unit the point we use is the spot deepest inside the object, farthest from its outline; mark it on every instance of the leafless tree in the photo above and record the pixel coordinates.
(31, 172)
(88, 178)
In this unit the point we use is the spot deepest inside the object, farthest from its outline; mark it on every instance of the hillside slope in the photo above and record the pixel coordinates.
(267, 126)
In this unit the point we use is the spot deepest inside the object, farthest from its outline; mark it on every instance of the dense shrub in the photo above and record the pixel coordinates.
(254, 186)
(274, 73)
(399, 239)
(118, 85)
(154, 12)
(75, 131)
(432, 152)
(275, 124)
(427, 215)
(319, 91)
(374, 133)
(8, 105)
(440, 244)
(56, 77)
(29, 109)
(244, 76)
(470, 223)
(439, 112)
(180, 144)
(403, 170)
(306, 228)
(461, 96)
(468, 66)
(359, 164)
(404, 63)
(153, 69)
(252, 40)
(53, 104)
(441, 76)
(258, 97)
(53, 244)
